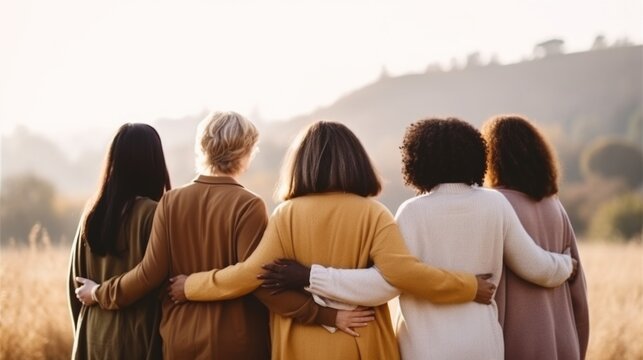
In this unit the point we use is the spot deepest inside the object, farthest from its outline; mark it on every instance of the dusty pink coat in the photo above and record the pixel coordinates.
(541, 323)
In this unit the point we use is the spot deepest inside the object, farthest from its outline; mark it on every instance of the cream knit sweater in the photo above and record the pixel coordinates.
(454, 227)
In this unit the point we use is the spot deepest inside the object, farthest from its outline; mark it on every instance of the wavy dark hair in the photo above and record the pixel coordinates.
(519, 157)
(328, 157)
(134, 166)
(436, 151)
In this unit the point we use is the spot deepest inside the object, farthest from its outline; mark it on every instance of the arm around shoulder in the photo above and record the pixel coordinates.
(364, 287)
(530, 261)
(408, 274)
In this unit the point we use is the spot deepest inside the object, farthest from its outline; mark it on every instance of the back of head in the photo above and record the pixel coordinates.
(223, 139)
(134, 166)
(327, 157)
(519, 157)
(436, 151)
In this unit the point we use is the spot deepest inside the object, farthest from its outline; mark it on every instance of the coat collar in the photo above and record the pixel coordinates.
(216, 180)
(452, 188)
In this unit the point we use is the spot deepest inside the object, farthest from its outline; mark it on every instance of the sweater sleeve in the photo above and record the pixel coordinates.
(239, 279)
(528, 260)
(125, 289)
(578, 290)
(352, 286)
(408, 274)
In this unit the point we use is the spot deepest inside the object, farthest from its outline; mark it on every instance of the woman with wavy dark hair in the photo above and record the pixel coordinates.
(522, 166)
(112, 238)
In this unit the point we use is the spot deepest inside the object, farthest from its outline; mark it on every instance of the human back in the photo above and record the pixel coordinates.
(133, 331)
(547, 223)
(211, 222)
(455, 224)
(112, 237)
(523, 167)
(454, 227)
(336, 230)
(201, 221)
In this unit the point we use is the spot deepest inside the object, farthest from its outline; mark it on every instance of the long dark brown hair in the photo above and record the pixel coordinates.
(134, 166)
(328, 157)
(519, 157)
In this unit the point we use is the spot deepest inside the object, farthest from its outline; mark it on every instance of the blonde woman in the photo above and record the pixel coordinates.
(212, 222)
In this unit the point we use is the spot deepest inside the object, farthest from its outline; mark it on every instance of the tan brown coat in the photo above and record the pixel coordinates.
(211, 223)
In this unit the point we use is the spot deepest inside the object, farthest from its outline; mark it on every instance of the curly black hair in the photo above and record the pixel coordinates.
(437, 151)
(519, 157)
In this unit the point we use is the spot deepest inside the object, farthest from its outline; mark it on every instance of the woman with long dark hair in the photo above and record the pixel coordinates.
(111, 238)
(522, 166)
(330, 218)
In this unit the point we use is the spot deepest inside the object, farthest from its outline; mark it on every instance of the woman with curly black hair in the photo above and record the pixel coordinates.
(522, 167)
(452, 224)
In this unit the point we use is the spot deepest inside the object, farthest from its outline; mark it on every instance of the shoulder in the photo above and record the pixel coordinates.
(492, 197)
(145, 205)
(410, 206)
(523, 202)
(248, 195)
(348, 202)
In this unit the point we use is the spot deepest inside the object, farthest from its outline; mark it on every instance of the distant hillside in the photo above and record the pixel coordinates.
(576, 97)
(604, 85)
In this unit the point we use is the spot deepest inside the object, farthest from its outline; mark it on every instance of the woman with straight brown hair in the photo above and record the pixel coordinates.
(329, 218)
(522, 166)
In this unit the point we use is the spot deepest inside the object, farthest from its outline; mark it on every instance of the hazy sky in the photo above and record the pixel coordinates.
(66, 65)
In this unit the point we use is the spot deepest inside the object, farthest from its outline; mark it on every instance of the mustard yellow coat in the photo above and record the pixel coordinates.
(342, 231)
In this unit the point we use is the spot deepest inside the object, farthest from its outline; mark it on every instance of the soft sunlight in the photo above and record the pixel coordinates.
(72, 65)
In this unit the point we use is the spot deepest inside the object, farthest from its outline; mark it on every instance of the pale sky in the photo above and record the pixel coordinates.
(67, 65)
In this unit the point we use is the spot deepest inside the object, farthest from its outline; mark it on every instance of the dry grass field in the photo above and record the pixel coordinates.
(35, 323)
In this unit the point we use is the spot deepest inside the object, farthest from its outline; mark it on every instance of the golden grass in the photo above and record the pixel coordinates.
(615, 284)
(35, 322)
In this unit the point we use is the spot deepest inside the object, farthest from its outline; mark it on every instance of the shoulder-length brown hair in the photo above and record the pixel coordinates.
(327, 157)
(519, 157)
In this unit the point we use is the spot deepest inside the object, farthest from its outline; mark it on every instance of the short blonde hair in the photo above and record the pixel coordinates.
(222, 140)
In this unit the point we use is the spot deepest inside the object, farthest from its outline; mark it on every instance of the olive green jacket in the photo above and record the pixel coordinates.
(130, 333)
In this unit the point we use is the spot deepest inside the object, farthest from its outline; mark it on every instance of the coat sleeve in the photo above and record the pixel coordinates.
(74, 270)
(291, 303)
(408, 274)
(125, 289)
(528, 260)
(364, 287)
(578, 290)
(239, 279)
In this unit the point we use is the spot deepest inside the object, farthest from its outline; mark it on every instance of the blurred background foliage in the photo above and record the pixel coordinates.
(589, 105)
